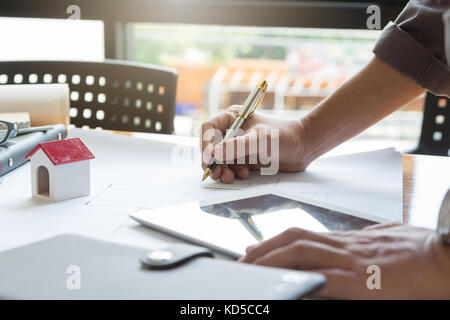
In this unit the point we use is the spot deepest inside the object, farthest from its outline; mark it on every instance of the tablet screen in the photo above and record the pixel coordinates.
(230, 227)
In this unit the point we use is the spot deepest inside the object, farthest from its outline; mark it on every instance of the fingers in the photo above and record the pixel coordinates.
(213, 130)
(224, 173)
(285, 238)
(222, 121)
(224, 154)
(340, 284)
(208, 135)
(240, 171)
(217, 172)
(306, 255)
(227, 174)
(211, 133)
(238, 147)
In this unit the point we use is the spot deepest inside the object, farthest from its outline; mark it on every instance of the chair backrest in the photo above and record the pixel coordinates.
(114, 95)
(435, 135)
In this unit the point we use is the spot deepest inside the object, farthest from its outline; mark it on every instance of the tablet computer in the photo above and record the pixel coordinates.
(230, 226)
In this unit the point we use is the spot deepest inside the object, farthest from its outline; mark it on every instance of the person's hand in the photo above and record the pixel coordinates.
(290, 147)
(413, 263)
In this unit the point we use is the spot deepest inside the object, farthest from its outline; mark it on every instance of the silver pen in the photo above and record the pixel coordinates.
(248, 108)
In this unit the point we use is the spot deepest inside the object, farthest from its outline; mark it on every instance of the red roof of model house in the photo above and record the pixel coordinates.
(64, 151)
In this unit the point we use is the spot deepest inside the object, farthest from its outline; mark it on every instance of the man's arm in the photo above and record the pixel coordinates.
(376, 91)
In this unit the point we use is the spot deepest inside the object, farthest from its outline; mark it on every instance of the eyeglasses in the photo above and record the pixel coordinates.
(9, 130)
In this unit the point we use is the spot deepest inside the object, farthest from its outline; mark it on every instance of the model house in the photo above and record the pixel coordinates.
(60, 169)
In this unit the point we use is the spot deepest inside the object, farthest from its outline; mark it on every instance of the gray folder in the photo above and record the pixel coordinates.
(75, 267)
(13, 153)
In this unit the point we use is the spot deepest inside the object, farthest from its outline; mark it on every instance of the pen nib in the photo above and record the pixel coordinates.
(206, 173)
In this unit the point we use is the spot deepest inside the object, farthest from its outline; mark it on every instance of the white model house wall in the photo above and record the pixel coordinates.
(65, 181)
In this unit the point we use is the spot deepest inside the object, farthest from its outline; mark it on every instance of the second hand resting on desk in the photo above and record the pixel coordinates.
(248, 108)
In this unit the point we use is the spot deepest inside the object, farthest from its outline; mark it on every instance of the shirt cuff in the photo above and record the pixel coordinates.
(402, 52)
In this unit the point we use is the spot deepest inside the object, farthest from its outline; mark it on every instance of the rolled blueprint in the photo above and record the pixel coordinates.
(45, 103)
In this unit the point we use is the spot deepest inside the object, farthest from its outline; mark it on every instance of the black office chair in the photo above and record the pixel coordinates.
(435, 134)
(114, 95)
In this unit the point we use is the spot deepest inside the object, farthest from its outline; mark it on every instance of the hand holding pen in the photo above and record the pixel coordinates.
(248, 109)
(290, 143)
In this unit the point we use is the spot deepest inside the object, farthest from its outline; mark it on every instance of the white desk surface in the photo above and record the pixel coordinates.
(24, 219)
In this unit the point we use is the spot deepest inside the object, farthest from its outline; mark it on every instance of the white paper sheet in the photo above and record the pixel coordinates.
(367, 182)
(370, 183)
(117, 195)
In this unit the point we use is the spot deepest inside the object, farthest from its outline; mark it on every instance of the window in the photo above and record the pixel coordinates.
(218, 66)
